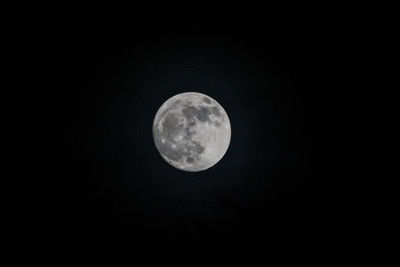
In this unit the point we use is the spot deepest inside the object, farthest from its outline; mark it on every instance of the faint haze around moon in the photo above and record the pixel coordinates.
(191, 131)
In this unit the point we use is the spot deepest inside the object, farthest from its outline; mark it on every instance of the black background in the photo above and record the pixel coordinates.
(108, 186)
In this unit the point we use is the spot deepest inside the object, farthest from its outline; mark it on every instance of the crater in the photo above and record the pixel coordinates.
(206, 100)
(190, 160)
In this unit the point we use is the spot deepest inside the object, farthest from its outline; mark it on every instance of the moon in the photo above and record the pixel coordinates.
(191, 131)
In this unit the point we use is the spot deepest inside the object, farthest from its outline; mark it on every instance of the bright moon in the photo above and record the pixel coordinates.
(191, 131)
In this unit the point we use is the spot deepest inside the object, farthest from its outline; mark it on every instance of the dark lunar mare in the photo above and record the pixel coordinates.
(204, 114)
(189, 112)
(170, 128)
(215, 111)
(173, 106)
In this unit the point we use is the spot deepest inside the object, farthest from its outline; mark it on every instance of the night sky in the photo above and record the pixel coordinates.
(109, 187)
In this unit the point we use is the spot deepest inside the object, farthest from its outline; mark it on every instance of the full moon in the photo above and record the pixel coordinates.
(191, 131)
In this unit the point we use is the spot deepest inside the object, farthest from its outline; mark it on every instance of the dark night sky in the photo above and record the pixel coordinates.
(107, 182)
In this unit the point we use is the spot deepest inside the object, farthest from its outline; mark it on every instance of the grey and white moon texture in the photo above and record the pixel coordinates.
(191, 131)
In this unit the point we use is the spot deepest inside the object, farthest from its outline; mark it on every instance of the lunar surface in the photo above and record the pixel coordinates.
(191, 131)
